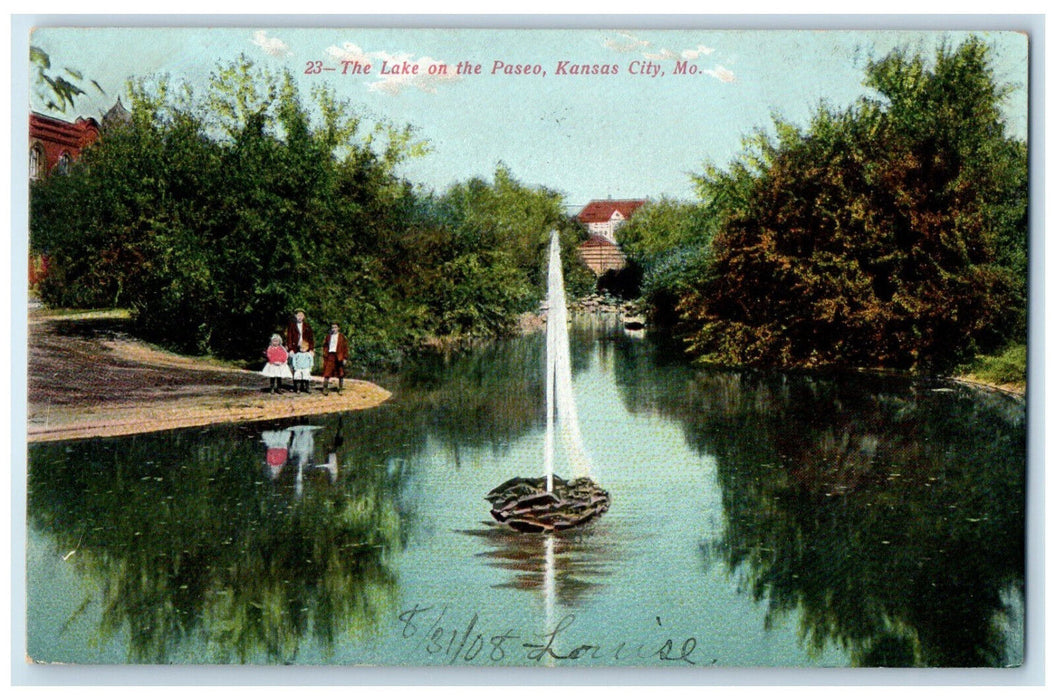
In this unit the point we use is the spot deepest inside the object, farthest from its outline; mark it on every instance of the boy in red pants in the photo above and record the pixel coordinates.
(335, 352)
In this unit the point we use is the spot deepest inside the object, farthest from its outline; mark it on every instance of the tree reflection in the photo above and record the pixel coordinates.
(245, 541)
(489, 396)
(187, 540)
(887, 517)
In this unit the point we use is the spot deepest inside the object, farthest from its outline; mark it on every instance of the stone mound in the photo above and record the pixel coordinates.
(526, 506)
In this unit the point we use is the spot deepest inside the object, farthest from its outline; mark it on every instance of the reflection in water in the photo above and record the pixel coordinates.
(887, 516)
(277, 450)
(562, 566)
(880, 519)
(186, 545)
(295, 447)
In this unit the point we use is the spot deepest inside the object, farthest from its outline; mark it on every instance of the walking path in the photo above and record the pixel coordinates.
(89, 378)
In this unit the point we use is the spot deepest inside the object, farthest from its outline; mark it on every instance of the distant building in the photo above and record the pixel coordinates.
(54, 144)
(601, 255)
(116, 115)
(603, 217)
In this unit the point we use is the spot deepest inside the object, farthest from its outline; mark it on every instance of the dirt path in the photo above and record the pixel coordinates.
(89, 378)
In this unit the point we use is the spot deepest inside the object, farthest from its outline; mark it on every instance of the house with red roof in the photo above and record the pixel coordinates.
(603, 217)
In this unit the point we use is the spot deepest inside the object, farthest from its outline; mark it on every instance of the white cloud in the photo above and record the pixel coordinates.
(626, 43)
(721, 73)
(684, 54)
(271, 45)
(694, 54)
(663, 55)
(413, 73)
(348, 52)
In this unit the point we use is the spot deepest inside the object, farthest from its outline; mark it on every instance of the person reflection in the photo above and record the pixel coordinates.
(295, 446)
(277, 450)
(331, 458)
(302, 452)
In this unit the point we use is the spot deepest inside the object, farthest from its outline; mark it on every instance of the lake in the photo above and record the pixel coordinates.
(757, 520)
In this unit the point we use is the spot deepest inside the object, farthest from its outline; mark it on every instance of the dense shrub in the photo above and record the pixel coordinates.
(889, 234)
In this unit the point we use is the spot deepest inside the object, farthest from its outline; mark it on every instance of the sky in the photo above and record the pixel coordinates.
(639, 133)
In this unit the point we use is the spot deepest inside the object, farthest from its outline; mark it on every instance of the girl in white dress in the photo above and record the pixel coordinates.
(277, 367)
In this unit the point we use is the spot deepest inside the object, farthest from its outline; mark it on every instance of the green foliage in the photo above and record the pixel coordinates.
(193, 544)
(667, 244)
(1007, 367)
(890, 234)
(213, 216)
(484, 260)
(57, 91)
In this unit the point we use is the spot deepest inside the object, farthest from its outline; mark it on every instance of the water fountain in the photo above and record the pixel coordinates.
(549, 503)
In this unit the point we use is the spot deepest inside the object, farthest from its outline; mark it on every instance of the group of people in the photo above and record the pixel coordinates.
(294, 358)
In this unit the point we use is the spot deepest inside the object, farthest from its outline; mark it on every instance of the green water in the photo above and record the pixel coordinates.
(756, 520)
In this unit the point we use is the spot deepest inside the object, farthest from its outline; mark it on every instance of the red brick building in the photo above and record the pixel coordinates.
(54, 143)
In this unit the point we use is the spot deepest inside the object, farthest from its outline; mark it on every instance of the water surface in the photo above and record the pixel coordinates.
(756, 520)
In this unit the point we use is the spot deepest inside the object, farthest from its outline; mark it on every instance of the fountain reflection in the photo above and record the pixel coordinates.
(562, 567)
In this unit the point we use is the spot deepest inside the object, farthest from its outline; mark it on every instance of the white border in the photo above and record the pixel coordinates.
(15, 299)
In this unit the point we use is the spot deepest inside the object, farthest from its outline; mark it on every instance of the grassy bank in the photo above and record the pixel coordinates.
(1007, 370)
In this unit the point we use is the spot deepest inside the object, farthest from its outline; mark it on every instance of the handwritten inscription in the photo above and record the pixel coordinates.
(500, 67)
(435, 634)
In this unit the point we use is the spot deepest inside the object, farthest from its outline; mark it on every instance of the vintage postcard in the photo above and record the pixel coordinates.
(527, 348)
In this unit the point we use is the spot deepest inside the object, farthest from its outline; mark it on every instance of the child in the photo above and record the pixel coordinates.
(277, 444)
(302, 367)
(335, 352)
(276, 369)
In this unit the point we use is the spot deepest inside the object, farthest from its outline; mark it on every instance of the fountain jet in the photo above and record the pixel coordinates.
(550, 503)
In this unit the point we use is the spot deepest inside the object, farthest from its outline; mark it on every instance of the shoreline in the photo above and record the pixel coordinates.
(139, 388)
(89, 378)
(48, 424)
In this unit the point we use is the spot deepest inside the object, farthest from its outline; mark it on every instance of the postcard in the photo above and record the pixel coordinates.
(534, 348)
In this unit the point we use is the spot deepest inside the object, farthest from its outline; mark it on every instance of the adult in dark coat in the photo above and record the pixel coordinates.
(335, 352)
(296, 331)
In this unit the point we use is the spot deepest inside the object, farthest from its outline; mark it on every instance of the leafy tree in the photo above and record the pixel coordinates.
(57, 91)
(668, 242)
(492, 260)
(889, 234)
(212, 216)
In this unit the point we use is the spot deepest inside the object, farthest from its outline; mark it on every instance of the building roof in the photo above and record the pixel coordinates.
(76, 134)
(116, 115)
(601, 210)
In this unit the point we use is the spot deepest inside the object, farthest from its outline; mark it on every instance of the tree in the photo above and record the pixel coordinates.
(56, 91)
(882, 235)
(491, 264)
(669, 242)
(212, 216)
